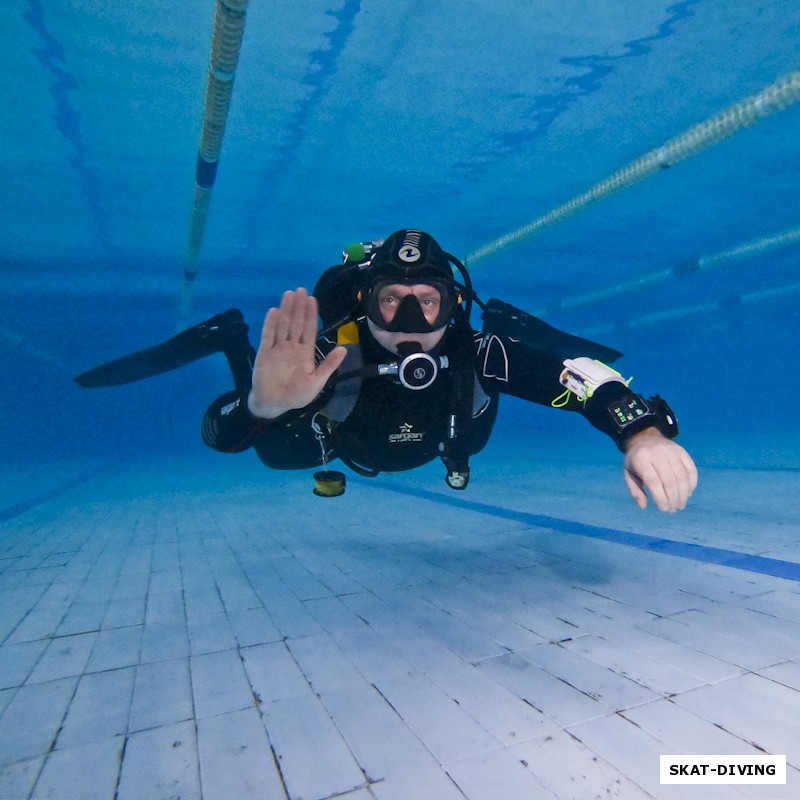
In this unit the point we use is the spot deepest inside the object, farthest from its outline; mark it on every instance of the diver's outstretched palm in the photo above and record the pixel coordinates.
(286, 375)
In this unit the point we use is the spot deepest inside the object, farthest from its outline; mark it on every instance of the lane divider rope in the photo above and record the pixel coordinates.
(226, 43)
(741, 115)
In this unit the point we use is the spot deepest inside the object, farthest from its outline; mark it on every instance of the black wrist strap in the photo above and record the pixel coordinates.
(621, 413)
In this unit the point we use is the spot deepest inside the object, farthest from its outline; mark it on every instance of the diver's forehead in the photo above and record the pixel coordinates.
(405, 288)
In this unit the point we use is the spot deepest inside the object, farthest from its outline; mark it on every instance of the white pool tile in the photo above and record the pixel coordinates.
(219, 684)
(18, 778)
(325, 666)
(335, 616)
(382, 743)
(125, 612)
(571, 770)
(555, 698)
(48, 613)
(162, 695)
(31, 721)
(754, 708)
(459, 600)
(714, 641)
(222, 647)
(591, 677)
(254, 626)
(273, 673)
(421, 783)
(497, 774)
(90, 770)
(236, 758)
(446, 729)
(211, 635)
(17, 661)
(503, 713)
(163, 641)
(637, 754)
(100, 708)
(202, 602)
(652, 673)
(64, 657)
(6, 696)
(675, 654)
(83, 617)
(161, 763)
(786, 673)
(165, 605)
(115, 648)
(685, 732)
(314, 759)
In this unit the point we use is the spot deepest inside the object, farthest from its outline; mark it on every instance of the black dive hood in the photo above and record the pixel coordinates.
(410, 257)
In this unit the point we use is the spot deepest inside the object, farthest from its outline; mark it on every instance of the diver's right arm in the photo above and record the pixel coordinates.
(286, 381)
(286, 375)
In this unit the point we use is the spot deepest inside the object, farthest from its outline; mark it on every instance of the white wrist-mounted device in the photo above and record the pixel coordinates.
(582, 376)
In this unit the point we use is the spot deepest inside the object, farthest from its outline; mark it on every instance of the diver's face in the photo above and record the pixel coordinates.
(389, 299)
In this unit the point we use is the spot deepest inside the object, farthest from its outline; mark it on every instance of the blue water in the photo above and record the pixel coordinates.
(175, 621)
(350, 121)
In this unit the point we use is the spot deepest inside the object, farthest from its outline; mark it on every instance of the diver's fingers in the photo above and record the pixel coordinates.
(331, 363)
(683, 478)
(690, 474)
(299, 313)
(653, 477)
(678, 476)
(658, 485)
(691, 470)
(676, 483)
(268, 331)
(283, 317)
(661, 468)
(635, 488)
(310, 326)
(291, 321)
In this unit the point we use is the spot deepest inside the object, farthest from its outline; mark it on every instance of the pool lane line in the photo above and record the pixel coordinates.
(788, 570)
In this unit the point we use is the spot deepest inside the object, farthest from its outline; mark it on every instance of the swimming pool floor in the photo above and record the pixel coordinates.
(215, 631)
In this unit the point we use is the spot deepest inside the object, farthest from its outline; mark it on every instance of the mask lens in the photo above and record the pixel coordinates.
(407, 312)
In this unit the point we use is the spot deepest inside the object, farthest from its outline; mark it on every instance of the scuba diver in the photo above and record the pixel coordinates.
(398, 377)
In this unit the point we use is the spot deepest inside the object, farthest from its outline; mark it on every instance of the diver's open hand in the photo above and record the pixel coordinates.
(285, 375)
(661, 467)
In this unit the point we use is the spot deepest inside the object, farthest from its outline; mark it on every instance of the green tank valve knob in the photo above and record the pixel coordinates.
(355, 252)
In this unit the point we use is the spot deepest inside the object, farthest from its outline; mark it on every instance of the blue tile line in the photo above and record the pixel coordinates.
(19, 508)
(63, 85)
(321, 69)
(545, 109)
(788, 570)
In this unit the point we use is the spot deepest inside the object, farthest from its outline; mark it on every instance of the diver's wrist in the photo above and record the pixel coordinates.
(264, 410)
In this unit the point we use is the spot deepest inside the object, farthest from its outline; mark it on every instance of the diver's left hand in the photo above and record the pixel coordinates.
(662, 468)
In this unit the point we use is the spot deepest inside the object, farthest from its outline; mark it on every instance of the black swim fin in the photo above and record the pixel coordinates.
(223, 333)
(506, 320)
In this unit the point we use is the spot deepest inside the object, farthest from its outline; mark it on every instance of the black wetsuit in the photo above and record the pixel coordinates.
(377, 424)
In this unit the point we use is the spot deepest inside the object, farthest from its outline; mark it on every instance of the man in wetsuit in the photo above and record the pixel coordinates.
(416, 382)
